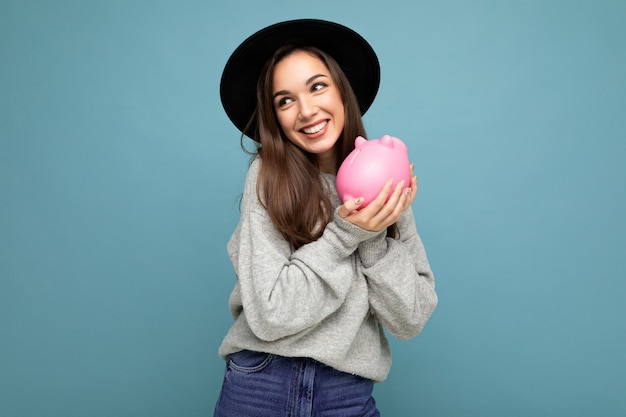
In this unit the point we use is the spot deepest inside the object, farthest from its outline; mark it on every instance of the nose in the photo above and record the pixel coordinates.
(308, 108)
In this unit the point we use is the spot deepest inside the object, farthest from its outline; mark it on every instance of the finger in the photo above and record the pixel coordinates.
(409, 197)
(393, 207)
(412, 191)
(377, 203)
(397, 195)
(404, 202)
(350, 207)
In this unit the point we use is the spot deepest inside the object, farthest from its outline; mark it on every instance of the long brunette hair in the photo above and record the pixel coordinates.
(289, 185)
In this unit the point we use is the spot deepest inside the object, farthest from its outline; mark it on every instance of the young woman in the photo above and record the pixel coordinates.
(318, 280)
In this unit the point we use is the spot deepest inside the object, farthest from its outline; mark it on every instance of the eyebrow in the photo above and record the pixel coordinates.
(308, 81)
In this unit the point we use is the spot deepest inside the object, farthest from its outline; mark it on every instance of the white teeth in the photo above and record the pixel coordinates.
(316, 128)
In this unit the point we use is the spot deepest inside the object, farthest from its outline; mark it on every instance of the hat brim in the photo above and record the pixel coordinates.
(351, 51)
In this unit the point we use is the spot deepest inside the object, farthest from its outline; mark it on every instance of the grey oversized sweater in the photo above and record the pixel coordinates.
(329, 299)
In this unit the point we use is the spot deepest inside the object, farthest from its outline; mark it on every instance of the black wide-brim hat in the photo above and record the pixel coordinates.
(351, 51)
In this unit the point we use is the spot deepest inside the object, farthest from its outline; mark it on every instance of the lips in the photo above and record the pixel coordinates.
(311, 130)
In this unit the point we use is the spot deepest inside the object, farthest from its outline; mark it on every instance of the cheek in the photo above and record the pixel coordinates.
(336, 104)
(340, 113)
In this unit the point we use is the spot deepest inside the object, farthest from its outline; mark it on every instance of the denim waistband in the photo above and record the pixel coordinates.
(268, 385)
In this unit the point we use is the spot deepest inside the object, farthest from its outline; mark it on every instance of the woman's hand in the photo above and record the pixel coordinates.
(381, 212)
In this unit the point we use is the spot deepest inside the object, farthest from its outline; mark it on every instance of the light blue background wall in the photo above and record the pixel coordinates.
(120, 173)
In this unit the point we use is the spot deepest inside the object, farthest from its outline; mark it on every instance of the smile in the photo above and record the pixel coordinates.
(314, 129)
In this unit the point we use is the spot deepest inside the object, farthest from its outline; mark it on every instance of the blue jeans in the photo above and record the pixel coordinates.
(265, 385)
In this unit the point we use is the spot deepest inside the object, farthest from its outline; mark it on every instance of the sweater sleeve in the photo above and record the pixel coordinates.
(284, 292)
(401, 283)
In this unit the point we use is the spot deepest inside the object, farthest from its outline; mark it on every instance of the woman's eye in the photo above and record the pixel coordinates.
(318, 86)
(284, 101)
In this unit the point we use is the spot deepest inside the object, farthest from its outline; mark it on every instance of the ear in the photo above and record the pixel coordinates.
(359, 141)
(387, 141)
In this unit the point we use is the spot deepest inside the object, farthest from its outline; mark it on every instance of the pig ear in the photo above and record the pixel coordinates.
(359, 141)
(387, 141)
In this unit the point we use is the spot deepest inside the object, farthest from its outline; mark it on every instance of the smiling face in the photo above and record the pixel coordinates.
(308, 105)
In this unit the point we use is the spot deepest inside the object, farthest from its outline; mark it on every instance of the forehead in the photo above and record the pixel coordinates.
(298, 67)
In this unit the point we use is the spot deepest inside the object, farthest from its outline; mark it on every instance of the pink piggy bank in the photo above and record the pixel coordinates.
(367, 168)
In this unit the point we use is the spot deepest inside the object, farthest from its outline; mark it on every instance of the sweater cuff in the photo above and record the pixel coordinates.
(373, 249)
(352, 233)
